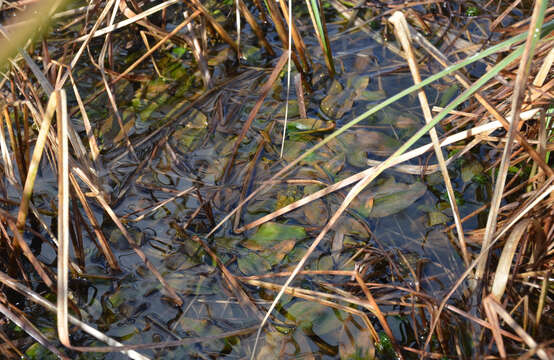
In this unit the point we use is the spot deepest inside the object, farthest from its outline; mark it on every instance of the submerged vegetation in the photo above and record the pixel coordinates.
(267, 179)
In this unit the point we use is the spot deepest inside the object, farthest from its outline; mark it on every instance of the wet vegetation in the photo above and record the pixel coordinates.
(201, 179)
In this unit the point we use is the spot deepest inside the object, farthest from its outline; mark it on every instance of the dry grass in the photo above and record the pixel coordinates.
(507, 263)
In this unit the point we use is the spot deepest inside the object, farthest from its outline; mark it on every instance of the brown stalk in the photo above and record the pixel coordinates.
(14, 143)
(496, 307)
(21, 321)
(22, 244)
(102, 242)
(280, 28)
(296, 38)
(248, 178)
(94, 151)
(493, 320)
(255, 27)
(199, 54)
(377, 312)
(152, 60)
(300, 96)
(10, 344)
(501, 17)
(220, 30)
(6, 158)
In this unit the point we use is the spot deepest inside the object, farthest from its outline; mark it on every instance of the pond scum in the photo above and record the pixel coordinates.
(152, 131)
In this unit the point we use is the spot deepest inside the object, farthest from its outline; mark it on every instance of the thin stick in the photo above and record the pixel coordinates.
(288, 80)
(401, 28)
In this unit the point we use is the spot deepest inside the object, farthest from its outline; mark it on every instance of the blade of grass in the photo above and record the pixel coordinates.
(401, 28)
(503, 268)
(291, 24)
(63, 220)
(320, 28)
(519, 90)
(35, 161)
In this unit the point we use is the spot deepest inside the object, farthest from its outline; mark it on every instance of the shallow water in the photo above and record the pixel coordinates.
(192, 151)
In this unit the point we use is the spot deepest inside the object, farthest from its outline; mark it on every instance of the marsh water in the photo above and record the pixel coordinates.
(183, 137)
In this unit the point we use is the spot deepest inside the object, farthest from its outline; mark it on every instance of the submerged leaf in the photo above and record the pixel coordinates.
(253, 263)
(437, 218)
(471, 169)
(388, 198)
(357, 346)
(270, 233)
(275, 254)
(320, 318)
(339, 101)
(309, 126)
(316, 212)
